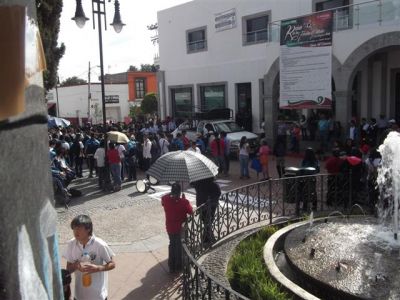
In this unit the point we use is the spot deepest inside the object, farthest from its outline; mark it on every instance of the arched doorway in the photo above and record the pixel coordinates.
(370, 79)
(375, 85)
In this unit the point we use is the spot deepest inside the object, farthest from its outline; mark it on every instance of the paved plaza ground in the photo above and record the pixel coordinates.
(133, 224)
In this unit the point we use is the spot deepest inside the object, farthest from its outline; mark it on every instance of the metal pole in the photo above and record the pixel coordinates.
(103, 97)
(58, 106)
(89, 95)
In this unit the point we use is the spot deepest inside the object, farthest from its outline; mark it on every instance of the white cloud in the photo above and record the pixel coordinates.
(132, 46)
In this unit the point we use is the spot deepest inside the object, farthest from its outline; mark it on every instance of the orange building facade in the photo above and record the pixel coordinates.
(140, 84)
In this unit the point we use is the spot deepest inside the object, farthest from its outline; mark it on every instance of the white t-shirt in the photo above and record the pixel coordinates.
(243, 150)
(65, 145)
(147, 149)
(99, 157)
(100, 254)
(164, 144)
(121, 149)
(197, 150)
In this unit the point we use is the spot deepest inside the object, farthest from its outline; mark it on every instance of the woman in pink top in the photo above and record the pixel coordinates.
(263, 153)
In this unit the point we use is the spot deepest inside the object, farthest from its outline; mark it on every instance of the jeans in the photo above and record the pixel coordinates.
(220, 162)
(146, 163)
(323, 134)
(78, 166)
(91, 164)
(123, 168)
(102, 177)
(116, 173)
(175, 252)
(131, 166)
(244, 165)
(227, 163)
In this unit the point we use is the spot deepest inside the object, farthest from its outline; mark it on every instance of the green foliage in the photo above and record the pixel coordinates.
(132, 69)
(148, 68)
(247, 272)
(149, 104)
(73, 81)
(48, 18)
(135, 112)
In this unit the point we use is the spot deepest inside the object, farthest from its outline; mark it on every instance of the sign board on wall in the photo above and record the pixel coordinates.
(112, 99)
(225, 20)
(306, 62)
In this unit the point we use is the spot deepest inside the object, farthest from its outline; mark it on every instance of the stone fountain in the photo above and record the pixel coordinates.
(345, 257)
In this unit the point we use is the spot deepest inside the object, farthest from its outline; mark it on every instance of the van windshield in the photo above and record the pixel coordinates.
(227, 127)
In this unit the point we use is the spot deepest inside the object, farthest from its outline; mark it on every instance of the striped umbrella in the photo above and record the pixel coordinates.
(182, 166)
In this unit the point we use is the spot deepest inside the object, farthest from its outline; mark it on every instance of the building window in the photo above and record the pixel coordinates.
(196, 40)
(140, 88)
(341, 12)
(255, 28)
(212, 97)
(182, 102)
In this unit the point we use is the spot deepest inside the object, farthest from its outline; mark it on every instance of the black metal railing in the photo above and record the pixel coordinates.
(264, 201)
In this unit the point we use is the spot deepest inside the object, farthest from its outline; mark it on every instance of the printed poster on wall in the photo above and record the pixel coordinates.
(306, 62)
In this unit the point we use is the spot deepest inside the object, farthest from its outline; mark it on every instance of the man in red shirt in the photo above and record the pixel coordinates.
(218, 152)
(176, 209)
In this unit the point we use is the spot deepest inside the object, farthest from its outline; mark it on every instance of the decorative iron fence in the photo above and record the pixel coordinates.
(248, 205)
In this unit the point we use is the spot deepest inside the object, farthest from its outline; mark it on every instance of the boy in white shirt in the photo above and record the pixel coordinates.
(101, 256)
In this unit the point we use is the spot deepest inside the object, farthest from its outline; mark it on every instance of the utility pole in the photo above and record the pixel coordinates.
(89, 95)
(58, 105)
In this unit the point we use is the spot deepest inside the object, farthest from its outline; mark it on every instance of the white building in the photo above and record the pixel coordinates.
(226, 53)
(74, 102)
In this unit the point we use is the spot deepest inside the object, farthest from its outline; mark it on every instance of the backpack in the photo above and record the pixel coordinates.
(76, 148)
(132, 150)
(92, 146)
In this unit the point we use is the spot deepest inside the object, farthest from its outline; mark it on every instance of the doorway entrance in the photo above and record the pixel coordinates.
(244, 110)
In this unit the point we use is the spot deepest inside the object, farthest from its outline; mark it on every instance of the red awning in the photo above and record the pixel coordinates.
(50, 105)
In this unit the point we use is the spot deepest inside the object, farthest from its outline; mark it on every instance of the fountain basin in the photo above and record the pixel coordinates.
(345, 258)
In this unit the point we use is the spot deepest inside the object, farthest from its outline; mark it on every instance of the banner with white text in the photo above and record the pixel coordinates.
(306, 62)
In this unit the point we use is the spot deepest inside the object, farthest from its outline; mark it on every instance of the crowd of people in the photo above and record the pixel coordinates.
(72, 147)
(356, 159)
(348, 156)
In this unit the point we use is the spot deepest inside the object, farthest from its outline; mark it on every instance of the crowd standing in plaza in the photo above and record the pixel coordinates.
(352, 153)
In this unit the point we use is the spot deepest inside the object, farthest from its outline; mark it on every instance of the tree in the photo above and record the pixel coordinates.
(134, 112)
(148, 68)
(73, 81)
(149, 104)
(132, 69)
(48, 17)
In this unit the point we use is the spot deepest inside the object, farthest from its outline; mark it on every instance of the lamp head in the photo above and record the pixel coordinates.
(117, 23)
(79, 18)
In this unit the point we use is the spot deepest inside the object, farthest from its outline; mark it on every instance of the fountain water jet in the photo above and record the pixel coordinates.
(389, 180)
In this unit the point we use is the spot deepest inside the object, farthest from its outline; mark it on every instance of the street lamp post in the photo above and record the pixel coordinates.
(99, 9)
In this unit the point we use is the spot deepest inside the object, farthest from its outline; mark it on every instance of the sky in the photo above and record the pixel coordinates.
(132, 46)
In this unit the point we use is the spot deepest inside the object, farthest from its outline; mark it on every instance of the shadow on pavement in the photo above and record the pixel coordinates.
(158, 284)
(90, 191)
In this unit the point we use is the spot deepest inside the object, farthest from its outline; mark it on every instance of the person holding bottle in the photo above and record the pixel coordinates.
(90, 258)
